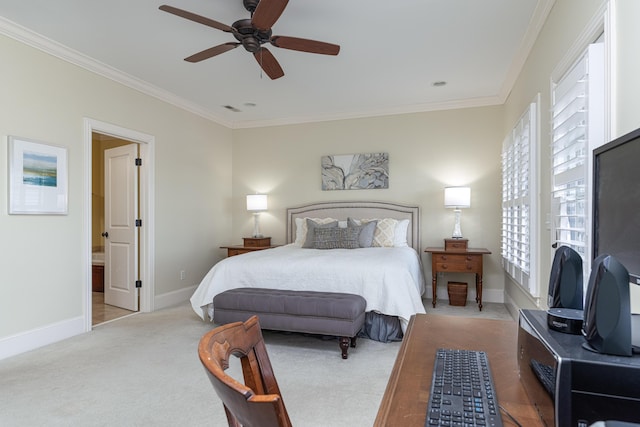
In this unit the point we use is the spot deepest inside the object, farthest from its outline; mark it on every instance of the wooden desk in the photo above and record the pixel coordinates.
(404, 403)
(457, 261)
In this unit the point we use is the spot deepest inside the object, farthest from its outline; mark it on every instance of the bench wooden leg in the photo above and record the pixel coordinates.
(344, 345)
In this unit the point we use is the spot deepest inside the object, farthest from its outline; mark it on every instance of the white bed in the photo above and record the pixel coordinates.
(389, 278)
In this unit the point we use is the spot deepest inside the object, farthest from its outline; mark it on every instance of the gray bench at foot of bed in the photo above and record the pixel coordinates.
(323, 313)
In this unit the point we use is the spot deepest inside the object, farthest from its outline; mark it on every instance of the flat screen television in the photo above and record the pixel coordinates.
(616, 202)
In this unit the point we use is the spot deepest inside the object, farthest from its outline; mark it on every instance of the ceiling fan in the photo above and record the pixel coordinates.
(253, 33)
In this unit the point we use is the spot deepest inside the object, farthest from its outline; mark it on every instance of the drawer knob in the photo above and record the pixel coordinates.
(444, 266)
(444, 257)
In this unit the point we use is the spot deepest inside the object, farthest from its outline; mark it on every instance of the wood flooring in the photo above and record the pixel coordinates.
(102, 312)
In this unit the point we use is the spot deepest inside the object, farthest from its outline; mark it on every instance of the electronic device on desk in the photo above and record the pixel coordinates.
(569, 385)
(609, 327)
(565, 312)
(462, 390)
(616, 202)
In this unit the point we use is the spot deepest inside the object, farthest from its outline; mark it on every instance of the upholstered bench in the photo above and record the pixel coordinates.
(323, 313)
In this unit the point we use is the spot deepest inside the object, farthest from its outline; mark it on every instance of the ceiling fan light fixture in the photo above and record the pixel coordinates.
(251, 44)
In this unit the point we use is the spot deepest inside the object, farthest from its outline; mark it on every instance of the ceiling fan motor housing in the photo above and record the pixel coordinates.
(250, 37)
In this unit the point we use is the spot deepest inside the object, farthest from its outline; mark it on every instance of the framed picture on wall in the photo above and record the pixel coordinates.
(38, 178)
(355, 171)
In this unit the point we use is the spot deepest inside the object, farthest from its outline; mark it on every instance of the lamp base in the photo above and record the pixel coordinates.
(457, 233)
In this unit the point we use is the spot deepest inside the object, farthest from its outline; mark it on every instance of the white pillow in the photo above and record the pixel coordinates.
(400, 234)
(301, 228)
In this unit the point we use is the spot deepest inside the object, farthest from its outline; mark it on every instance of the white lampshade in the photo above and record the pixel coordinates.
(457, 197)
(256, 202)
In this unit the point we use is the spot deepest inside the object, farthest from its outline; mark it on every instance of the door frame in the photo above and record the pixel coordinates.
(147, 231)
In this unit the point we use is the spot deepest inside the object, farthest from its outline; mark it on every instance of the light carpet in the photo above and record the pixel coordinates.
(143, 370)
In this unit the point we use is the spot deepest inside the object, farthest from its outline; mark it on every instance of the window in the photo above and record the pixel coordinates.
(577, 122)
(518, 199)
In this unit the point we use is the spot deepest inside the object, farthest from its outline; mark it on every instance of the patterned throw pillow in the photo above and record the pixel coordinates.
(336, 238)
(312, 225)
(301, 228)
(385, 231)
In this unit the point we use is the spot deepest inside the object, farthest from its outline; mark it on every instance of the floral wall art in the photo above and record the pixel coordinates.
(355, 171)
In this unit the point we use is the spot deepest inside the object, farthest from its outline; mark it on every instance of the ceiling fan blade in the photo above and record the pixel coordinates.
(267, 13)
(268, 63)
(305, 45)
(211, 52)
(196, 18)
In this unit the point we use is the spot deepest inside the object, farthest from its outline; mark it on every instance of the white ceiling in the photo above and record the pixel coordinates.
(391, 53)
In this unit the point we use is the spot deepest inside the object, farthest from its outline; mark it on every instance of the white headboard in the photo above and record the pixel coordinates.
(342, 210)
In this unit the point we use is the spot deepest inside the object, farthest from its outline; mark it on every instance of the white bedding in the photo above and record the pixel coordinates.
(390, 279)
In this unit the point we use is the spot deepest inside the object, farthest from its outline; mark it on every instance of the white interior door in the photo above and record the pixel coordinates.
(121, 234)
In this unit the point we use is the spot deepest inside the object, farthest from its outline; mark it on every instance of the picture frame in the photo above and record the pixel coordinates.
(355, 171)
(38, 178)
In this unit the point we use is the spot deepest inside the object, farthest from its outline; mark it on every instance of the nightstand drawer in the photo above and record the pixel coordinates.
(455, 244)
(257, 242)
(458, 267)
(233, 252)
(459, 263)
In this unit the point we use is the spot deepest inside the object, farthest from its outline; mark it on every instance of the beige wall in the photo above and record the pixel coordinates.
(427, 151)
(627, 67)
(41, 257)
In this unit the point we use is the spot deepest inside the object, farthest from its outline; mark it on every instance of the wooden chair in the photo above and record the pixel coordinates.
(257, 402)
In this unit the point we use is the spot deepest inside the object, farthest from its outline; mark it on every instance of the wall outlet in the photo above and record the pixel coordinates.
(182, 274)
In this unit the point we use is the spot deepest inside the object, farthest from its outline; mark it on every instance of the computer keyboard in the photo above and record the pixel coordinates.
(462, 391)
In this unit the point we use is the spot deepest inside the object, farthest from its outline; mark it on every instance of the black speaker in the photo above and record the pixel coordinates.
(565, 281)
(607, 309)
(565, 292)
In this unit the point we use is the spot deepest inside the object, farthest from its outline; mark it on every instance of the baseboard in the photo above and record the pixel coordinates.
(36, 338)
(174, 297)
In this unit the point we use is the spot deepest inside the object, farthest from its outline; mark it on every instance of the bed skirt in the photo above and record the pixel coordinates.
(381, 327)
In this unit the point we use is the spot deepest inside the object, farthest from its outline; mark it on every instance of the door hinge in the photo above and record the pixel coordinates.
(138, 161)
(138, 283)
(138, 223)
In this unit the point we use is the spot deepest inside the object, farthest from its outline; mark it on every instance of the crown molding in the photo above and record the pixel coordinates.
(44, 44)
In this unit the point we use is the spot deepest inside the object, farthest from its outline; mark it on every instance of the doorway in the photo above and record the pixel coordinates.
(98, 137)
(105, 306)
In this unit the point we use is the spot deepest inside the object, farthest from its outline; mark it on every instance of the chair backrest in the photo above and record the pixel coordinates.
(257, 402)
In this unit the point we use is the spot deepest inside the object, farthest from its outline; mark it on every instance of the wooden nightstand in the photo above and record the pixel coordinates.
(250, 244)
(455, 257)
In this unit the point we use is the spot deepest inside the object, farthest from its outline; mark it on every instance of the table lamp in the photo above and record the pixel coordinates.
(256, 203)
(457, 198)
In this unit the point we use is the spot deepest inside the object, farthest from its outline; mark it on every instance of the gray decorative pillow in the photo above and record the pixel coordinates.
(365, 238)
(336, 238)
(311, 226)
